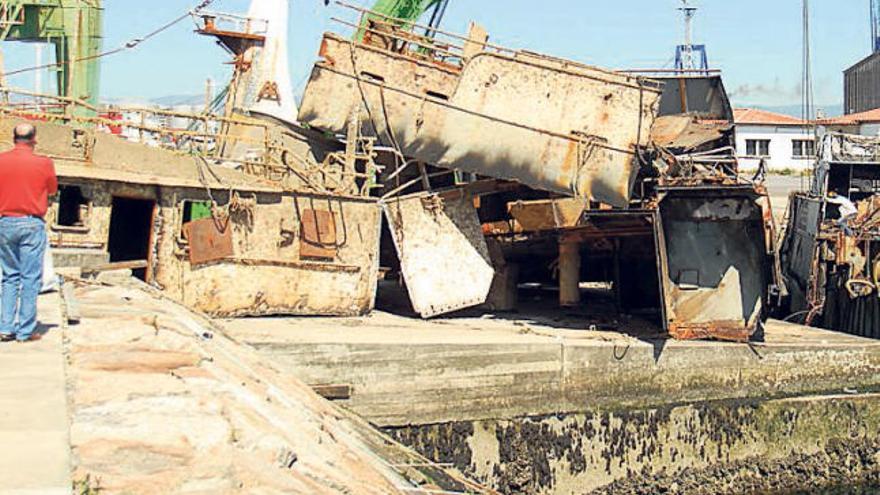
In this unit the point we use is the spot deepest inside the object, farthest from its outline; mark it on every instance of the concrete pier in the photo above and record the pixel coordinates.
(540, 405)
(406, 372)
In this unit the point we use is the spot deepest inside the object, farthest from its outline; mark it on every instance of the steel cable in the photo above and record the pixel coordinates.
(133, 43)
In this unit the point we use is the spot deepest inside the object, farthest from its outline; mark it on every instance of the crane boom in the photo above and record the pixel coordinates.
(73, 27)
(405, 13)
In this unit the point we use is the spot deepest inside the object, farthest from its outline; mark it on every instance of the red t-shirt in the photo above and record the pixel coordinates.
(26, 182)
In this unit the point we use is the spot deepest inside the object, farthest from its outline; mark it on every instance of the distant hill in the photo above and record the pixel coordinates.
(164, 101)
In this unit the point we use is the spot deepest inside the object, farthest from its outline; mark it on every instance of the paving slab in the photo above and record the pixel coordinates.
(34, 426)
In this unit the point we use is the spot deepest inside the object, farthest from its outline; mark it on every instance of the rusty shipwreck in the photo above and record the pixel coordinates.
(500, 167)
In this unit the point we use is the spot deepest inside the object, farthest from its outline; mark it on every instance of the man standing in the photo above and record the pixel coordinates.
(26, 182)
(846, 211)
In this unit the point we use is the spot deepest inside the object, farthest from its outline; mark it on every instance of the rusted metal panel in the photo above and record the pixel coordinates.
(713, 262)
(547, 214)
(318, 238)
(684, 133)
(209, 240)
(443, 254)
(551, 124)
(267, 275)
(699, 95)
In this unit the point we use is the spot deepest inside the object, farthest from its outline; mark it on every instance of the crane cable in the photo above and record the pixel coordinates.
(131, 44)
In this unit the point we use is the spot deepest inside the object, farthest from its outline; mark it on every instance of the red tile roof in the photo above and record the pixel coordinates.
(754, 116)
(853, 118)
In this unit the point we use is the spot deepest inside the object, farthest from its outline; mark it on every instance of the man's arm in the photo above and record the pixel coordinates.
(52, 179)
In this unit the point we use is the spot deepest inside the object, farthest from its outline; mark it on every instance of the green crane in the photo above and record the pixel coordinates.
(74, 28)
(407, 13)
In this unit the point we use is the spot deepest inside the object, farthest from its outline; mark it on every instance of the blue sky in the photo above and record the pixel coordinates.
(757, 43)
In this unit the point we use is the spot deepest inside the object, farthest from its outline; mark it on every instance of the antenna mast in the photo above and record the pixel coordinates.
(875, 25)
(688, 56)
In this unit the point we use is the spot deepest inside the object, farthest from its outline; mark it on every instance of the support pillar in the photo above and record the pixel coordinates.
(569, 273)
(504, 291)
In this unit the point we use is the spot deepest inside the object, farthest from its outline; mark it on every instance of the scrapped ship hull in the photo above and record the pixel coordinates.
(549, 124)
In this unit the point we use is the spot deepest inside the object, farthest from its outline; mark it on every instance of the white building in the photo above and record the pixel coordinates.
(864, 123)
(783, 142)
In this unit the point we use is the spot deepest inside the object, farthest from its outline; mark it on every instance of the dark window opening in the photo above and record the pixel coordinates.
(131, 224)
(434, 94)
(192, 211)
(372, 77)
(195, 210)
(758, 147)
(801, 148)
(73, 207)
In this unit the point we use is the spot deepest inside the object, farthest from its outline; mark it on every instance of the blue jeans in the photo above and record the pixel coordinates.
(22, 244)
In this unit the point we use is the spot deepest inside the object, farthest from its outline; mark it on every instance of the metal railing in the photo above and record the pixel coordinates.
(234, 23)
(205, 135)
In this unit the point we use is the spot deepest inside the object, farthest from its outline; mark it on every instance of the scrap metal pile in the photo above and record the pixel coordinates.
(832, 257)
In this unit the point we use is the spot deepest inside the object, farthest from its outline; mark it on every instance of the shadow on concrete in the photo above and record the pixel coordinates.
(538, 307)
(44, 328)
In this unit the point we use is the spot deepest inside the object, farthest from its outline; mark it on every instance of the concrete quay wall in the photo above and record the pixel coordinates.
(730, 447)
(421, 383)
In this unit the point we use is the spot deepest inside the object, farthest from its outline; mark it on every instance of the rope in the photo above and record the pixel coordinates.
(858, 287)
(131, 44)
(400, 161)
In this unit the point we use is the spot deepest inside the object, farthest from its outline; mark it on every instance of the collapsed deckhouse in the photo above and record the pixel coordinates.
(501, 161)
(491, 114)
(219, 240)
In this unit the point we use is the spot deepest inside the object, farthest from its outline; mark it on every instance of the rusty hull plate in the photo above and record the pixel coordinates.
(209, 240)
(442, 251)
(318, 239)
(714, 265)
(553, 125)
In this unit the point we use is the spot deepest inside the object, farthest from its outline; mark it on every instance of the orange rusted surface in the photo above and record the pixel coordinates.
(728, 331)
(209, 240)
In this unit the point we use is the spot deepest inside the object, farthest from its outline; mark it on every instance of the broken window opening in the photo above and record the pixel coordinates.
(131, 228)
(193, 210)
(373, 77)
(73, 208)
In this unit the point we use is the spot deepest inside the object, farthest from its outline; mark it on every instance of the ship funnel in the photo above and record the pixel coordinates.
(269, 90)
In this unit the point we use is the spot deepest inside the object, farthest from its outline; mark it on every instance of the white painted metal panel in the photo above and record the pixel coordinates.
(442, 251)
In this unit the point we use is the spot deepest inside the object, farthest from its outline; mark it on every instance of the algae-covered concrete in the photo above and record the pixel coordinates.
(575, 454)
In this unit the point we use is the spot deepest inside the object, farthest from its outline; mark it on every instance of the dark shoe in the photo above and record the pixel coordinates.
(6, 337)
